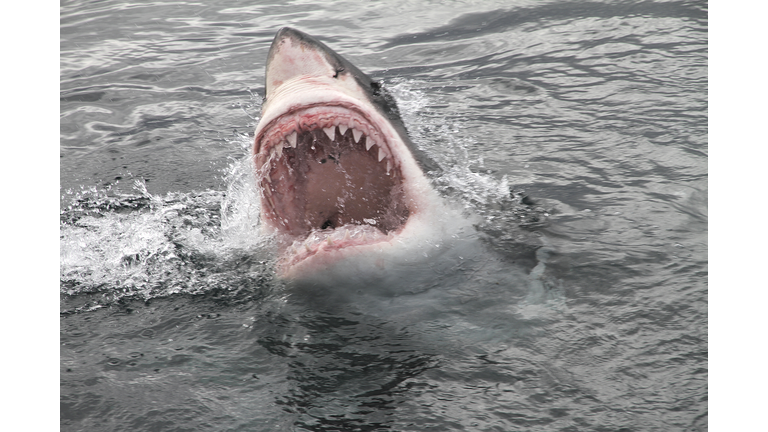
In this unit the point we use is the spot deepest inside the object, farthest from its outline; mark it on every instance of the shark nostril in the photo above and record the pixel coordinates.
(327, 224)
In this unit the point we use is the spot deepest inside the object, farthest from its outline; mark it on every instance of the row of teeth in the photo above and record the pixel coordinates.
(317, 241)
(276, 151)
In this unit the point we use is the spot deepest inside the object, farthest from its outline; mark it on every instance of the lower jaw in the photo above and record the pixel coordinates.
(323, 249)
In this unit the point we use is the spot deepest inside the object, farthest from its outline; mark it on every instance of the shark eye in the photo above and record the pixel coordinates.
(375, 87)
(338, 71)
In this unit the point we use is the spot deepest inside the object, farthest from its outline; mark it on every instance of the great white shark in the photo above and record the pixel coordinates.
(338, 175)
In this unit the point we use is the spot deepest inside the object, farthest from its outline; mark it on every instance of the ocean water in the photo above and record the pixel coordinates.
(568, 291)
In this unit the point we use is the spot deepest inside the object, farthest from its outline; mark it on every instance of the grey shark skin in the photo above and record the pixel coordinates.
(337, 172)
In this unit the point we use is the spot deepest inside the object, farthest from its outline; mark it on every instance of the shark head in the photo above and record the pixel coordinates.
(337, 173)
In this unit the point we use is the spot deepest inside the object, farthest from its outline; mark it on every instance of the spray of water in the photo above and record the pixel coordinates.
(142, 245)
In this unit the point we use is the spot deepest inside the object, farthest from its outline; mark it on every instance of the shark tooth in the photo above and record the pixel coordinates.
(330, 132)
(381, 154)
(389, 166)
(369, 143)
(342, 128)
(291, 138)
(356, 134)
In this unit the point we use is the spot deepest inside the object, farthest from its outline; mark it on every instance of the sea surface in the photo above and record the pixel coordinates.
(567, 293)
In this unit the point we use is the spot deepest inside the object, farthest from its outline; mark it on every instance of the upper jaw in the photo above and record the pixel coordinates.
(310, 103)
(335, 119)
(303, 92)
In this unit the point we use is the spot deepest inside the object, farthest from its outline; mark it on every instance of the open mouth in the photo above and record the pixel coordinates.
(329, 179)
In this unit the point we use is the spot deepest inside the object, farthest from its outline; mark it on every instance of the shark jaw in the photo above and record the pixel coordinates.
(335, 168)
